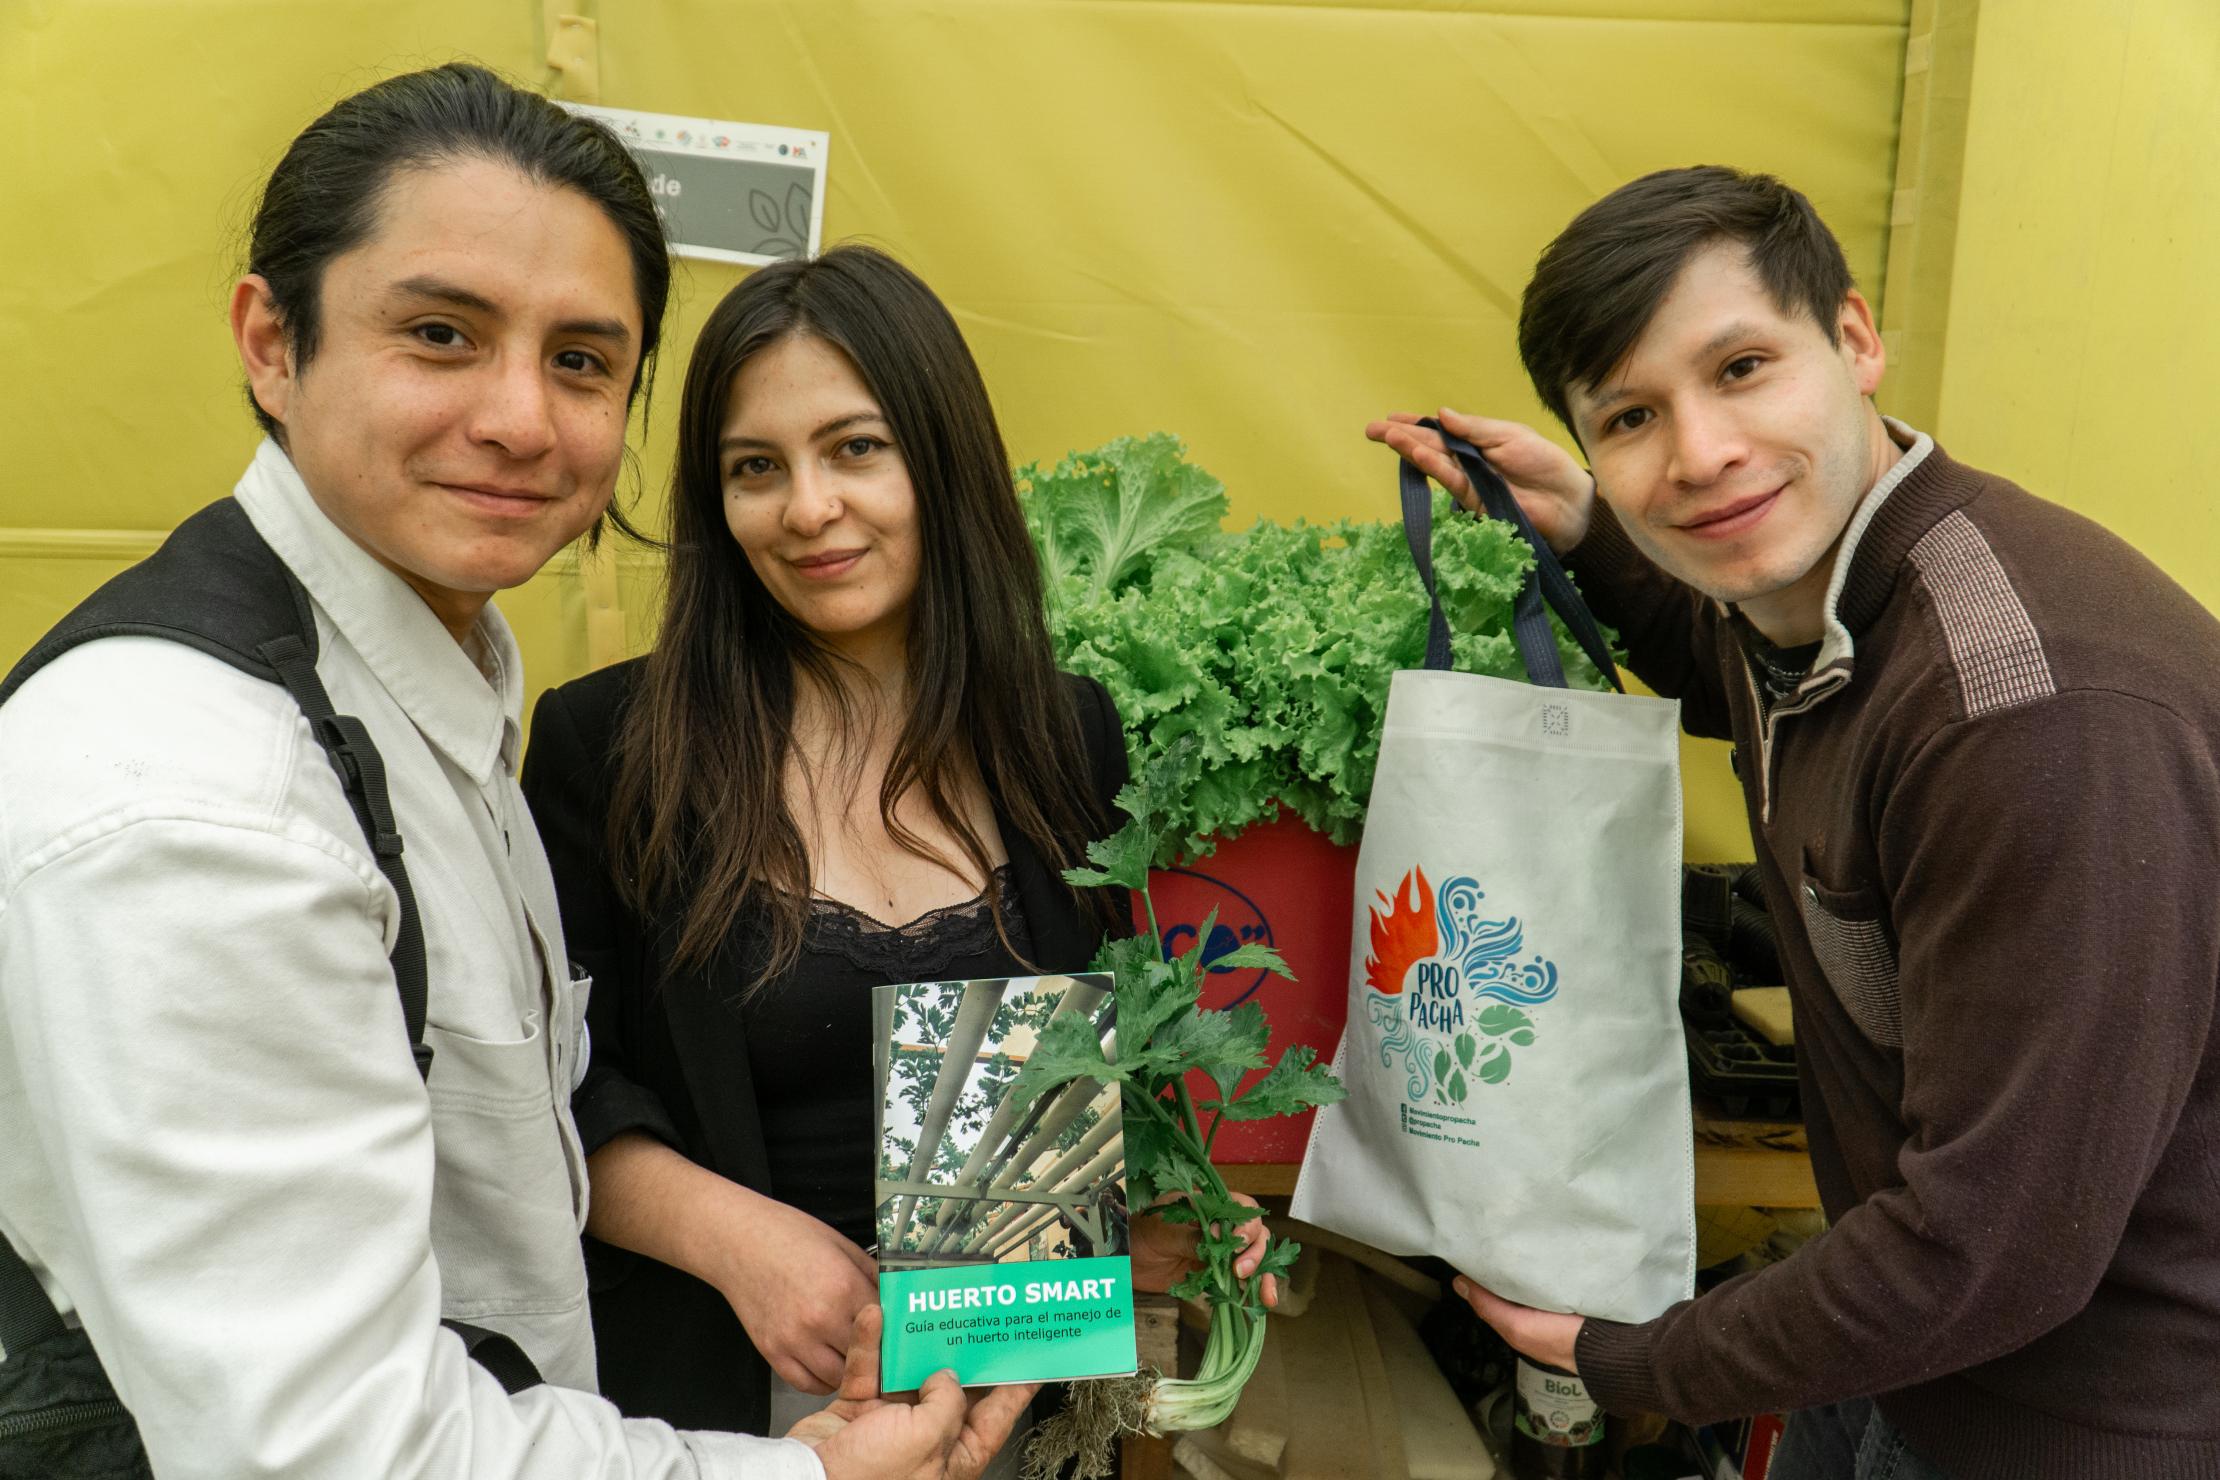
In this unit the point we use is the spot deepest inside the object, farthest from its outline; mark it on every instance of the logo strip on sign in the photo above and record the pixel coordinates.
(748, 193)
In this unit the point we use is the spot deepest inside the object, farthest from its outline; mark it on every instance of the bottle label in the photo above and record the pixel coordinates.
(1554, 1408)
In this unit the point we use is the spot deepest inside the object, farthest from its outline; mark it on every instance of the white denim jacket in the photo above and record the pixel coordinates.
(218, 1154)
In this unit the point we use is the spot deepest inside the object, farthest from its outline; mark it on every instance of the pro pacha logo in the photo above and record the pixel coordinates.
(1447, 988)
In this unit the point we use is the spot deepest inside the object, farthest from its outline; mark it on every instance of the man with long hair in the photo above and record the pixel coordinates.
(279, 1230)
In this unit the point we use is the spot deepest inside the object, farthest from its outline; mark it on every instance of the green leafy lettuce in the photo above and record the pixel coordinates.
(1268, 650)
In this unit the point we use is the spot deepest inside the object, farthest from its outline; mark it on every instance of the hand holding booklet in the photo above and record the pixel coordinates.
(1002, 1231)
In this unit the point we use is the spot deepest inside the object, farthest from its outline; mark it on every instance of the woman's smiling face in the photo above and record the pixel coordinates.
(817, 494)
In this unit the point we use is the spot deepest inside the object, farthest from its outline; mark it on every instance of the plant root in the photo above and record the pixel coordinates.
(1084, 1435)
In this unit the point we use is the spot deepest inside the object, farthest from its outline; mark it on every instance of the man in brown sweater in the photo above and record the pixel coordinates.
(1980, 742)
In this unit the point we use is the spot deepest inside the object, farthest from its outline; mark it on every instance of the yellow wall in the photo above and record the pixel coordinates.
(2083, 338)
(1255, 224)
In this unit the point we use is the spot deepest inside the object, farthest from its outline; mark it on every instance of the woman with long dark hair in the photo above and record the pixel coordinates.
(849, 761)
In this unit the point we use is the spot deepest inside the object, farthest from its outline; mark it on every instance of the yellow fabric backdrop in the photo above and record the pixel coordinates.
(1253, 224)
(2083, 341)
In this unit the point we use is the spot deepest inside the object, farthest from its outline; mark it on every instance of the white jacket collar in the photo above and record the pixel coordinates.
(467, 700)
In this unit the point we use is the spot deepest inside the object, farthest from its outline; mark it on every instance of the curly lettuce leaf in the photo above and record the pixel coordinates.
(1099, 518)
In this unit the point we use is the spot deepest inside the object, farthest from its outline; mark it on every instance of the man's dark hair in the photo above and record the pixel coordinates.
(324, 196)
(1597, 286)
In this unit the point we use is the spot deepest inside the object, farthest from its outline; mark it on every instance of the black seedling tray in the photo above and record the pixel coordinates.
(1749, 1078)
(1728, 943)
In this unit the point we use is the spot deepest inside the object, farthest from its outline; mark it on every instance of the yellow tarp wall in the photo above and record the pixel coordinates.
(2083, 340)
(1257, 225)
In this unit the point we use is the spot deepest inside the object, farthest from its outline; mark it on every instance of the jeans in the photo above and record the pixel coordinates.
(1846, 1441)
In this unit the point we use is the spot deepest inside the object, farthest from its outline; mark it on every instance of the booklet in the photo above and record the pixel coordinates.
(1002, 1232)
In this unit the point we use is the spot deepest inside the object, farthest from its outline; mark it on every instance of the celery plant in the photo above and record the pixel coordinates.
(1161, 1034)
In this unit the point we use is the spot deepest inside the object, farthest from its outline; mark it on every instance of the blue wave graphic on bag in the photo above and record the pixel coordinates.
(1447, 990)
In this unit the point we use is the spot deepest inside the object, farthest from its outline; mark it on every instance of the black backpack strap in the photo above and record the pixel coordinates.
(216, 586)
(361, 771)
(498, 1355)
(27, 1317)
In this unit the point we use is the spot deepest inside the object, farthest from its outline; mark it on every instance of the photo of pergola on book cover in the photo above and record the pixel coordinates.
(1002, 1226)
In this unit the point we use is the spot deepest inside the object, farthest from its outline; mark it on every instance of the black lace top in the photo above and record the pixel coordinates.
(809, 1039)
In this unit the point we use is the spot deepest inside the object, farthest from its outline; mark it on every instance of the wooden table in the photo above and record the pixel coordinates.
(1751, 1163)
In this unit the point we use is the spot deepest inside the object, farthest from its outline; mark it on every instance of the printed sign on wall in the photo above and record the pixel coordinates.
(729, 192)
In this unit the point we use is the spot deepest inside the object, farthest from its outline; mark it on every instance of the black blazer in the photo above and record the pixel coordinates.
(669, 1345)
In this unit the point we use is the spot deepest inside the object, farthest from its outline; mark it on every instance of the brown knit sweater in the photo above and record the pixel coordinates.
(1989, 828)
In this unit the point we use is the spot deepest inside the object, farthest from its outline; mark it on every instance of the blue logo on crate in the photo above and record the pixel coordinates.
(1240, 923)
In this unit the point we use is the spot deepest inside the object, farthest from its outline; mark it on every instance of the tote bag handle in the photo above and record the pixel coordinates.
(1546, 585)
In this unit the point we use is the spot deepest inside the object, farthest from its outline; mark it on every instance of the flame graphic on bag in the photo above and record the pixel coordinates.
(1403, 937)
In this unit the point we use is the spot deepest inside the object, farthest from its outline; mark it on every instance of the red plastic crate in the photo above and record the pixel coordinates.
(1282, 885)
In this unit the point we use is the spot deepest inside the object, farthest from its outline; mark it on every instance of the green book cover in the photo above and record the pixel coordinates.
(1002, 1231)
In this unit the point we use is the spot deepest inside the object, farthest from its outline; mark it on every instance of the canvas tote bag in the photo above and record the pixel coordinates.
(1517, 1076)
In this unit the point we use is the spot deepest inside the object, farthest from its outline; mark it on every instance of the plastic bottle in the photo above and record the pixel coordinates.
(1557, 1430)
